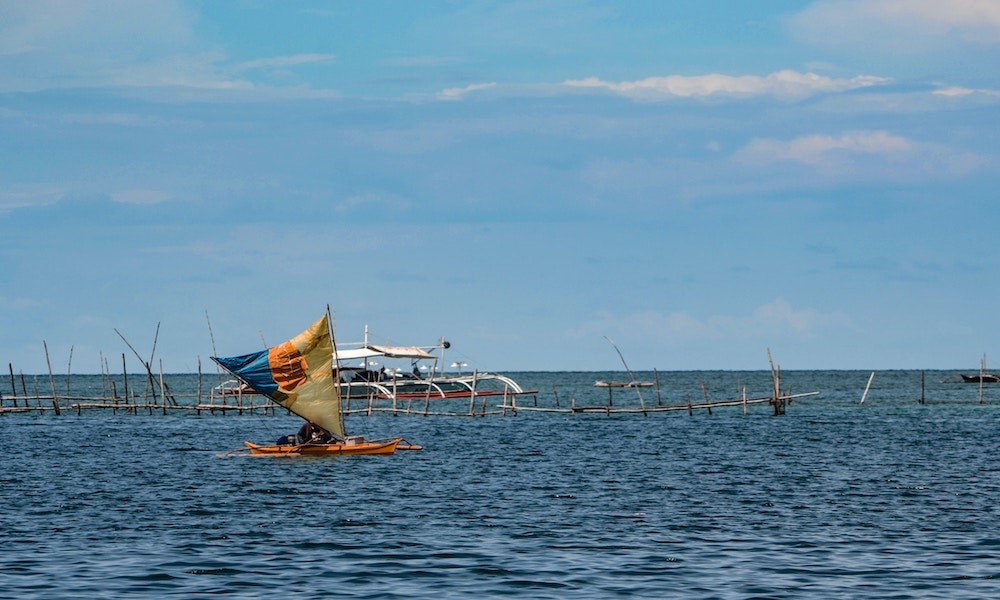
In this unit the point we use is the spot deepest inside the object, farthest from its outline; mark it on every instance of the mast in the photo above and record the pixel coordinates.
(335, 372)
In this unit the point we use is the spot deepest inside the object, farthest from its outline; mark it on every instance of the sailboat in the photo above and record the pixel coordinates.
(299, 375)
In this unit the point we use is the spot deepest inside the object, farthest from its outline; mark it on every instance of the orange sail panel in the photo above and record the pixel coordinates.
(297, 374)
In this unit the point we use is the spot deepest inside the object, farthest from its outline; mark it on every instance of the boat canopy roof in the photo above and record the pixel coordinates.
(388, 351)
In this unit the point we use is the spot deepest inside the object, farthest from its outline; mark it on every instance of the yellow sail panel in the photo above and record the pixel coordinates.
(302, 368)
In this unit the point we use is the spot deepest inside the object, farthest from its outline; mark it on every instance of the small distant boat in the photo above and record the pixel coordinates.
(981, 378)
(299, 375)
(623, 384)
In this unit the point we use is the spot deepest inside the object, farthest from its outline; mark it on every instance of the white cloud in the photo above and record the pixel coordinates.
(957, 92)
(818, 149)
(13, 198)
(459, 93)
(782, 84)
(902, 24)
(47, 44)
(63, 43)
(862, 155)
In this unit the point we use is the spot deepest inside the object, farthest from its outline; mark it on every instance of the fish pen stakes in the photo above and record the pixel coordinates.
(156, 396)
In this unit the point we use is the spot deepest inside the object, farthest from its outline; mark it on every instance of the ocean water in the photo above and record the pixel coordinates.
(835, 499)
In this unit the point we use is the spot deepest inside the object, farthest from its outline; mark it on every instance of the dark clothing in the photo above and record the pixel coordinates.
(315, 434)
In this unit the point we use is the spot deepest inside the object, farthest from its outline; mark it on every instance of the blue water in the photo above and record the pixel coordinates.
(890, 499)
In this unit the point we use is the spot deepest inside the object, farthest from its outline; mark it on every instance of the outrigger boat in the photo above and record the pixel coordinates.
(358, 379)
(299, 375)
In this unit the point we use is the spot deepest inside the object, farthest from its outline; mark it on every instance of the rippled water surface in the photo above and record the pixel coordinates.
(890, 499)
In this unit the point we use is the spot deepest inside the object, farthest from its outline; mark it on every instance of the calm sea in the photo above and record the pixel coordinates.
(835, 499)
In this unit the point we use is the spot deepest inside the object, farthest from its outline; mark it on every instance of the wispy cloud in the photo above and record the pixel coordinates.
(281, 62)
(135, 44)
(782, 84)
(459, 93)
(903, 24)
(13, 198)
(957, 92)
(58, 43)
(818, 149)
(862, 154)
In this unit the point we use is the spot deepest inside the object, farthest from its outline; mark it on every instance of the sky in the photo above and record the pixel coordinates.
(697, 183)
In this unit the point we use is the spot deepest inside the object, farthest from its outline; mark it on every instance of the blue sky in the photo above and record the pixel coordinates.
(698, 181)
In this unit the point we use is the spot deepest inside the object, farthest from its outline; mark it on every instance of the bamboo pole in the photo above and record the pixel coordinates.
(777, 400)
(869, 385)
(52, 381)
(704, 393)
(199, 385)
(427, 397)
(656, 378)
(69, 369)
(162, 388)
(982, 375)
(125, 377)
(13, 386)
(149, 370)
(922, 387)
(472, 395)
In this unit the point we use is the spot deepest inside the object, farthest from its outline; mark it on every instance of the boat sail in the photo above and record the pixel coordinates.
(299, 376)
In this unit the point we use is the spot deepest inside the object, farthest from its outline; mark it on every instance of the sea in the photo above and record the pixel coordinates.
(893, 497)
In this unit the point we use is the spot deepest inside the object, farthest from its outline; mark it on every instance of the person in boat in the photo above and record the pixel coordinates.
(416, 371)
(310, 433)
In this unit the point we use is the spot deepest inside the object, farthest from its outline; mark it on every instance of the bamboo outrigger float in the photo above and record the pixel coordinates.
(299, 375)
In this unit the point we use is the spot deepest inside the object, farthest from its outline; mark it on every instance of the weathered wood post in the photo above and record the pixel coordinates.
(656, 378)
(13, 386)
(52, 381)
(922, 398)
(125, 377)
(776, 399)
(199, 387)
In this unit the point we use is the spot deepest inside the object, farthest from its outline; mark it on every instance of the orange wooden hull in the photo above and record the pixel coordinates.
(334, 449)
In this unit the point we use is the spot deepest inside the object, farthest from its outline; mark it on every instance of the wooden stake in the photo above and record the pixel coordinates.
(199, 384)
(125, 377)
(13, 386)
(631, 376)
(161, 387)
(656, 378)
(52, 381)
(982, 374)
(69, 370)
(922, 399)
